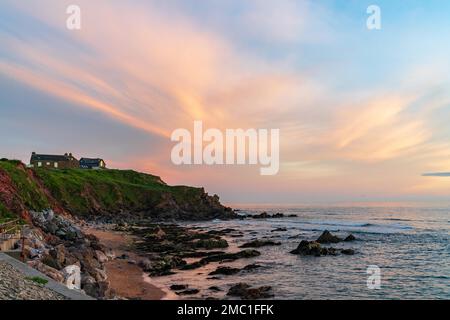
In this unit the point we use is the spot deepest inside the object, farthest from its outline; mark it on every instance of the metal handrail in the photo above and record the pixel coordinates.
(3, 226)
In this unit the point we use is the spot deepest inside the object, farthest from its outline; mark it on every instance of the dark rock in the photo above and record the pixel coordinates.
(278, 215)
(188, 292)
(279, 230)
(215, 288)
(246, 292)
(245, 254)
(313, 248)
(222, 232)
(51, 262)
(199, 254)
(162, 266)
(350, 237)
(327, 237)
(259, 243)
(194, 265)
(251, 267)
(225, 271)
(348, 251)
(308, 248)
(211, 244)
(178, 287)
(265, 215)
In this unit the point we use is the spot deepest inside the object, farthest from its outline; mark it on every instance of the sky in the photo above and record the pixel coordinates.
(363, 114)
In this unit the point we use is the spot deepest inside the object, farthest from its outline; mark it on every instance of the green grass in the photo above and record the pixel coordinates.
(38, 280)
(109, 190)
(30, 194)
(84, 192)
(5, 214)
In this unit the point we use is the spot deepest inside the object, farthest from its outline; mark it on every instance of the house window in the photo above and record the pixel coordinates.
(56, 164)
(39, 164)
(48, 163)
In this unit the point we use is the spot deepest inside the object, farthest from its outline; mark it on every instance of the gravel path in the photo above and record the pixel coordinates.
(15, 286)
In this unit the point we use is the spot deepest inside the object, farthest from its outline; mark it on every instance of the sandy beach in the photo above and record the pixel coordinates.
(127, 280)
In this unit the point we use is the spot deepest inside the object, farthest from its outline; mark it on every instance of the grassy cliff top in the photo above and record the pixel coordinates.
(83, 192)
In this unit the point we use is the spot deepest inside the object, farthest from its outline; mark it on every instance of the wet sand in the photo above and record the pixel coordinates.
(127, 280)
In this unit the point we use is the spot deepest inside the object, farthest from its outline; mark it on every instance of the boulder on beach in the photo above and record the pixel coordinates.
(246, 292)
(178, 287)
(188, 292)
(327, 237)
(225, 271)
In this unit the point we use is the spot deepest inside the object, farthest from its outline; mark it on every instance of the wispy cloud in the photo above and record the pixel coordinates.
(157, 67)
(437, 174)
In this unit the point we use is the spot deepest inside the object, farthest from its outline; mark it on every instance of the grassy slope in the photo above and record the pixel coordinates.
(30, 195)
(80, 191)
(5, 214)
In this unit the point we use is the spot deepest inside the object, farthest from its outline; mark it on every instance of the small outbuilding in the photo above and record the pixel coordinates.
(88, 163)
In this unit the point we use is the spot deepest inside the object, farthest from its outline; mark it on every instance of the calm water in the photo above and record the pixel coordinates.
(409, 244)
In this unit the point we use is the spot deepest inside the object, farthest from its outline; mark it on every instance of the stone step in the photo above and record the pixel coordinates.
(8, 244)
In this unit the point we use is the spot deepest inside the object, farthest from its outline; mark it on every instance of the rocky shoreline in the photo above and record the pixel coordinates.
(152, 249)
(166, 249)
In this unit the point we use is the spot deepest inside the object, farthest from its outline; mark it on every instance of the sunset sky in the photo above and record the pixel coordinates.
(362, 114)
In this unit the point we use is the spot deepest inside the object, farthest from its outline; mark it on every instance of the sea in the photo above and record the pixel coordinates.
(406, 245)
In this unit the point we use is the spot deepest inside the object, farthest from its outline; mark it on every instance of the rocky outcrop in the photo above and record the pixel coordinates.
(327, 237)
(227, 271)
(279, 230)
(178, 287)
(120, 195)
(187, 292)
(310, 248)
(265, 215)
(349, 238)
(259, 244)
(56, 242)
(313, 248)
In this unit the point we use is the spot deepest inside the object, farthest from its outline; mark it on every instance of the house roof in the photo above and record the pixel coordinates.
(51, 157)
(91, 161)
